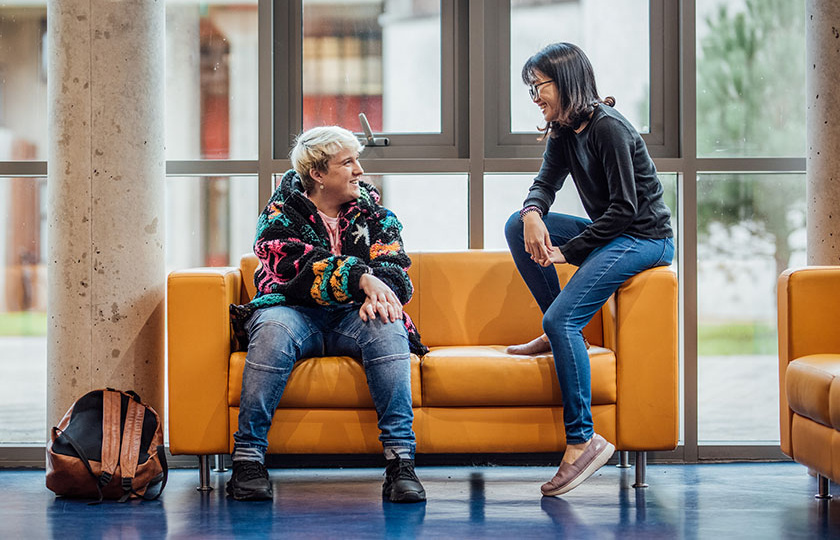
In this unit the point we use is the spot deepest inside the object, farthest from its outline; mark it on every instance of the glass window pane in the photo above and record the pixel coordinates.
(378, 58)
(615, 37)
(431, 222)
(431, 207)
(23, 311)
(210, 220)
(504, 194)
(23, 82)
(751, 227)
(211, 80)
(750, 78)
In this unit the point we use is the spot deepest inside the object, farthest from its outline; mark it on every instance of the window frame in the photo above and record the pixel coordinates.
(288, 90)
(662, 140)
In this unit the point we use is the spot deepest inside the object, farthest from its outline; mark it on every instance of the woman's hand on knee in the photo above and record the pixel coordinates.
(536, 238)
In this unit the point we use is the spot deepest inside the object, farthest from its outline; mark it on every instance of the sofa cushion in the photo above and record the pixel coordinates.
(812, 384)
(328, 382)
(477, 297)
(481, 376)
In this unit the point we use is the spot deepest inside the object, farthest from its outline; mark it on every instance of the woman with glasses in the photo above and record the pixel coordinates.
(628, 231)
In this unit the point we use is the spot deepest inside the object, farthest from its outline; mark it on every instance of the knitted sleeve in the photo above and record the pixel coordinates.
(388, 259)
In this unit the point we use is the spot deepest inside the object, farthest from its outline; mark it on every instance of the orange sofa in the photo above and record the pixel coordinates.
(469, 396)
(809, 369)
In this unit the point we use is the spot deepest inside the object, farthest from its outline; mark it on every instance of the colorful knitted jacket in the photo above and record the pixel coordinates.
(296, 265)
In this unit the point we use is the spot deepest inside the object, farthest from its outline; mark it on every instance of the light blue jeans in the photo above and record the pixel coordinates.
(282, 335)
(567, 311)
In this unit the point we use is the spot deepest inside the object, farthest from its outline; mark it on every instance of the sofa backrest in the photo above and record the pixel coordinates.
(473, 297)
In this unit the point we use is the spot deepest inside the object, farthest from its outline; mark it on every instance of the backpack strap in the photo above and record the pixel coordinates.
(111, 408)
(161, 454)
(130, 452)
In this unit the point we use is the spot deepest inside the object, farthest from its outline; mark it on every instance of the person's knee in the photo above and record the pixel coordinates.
(379, 329)
(384, 341)
(513, 227)
(273, 347)
(558, 322)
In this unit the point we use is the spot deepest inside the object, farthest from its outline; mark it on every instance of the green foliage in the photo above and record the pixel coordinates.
(750, 103)
(769, 207)
(751, 81)
(737, 339)
(24, 323)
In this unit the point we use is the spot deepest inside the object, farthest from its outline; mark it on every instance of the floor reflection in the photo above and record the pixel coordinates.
(761, 500)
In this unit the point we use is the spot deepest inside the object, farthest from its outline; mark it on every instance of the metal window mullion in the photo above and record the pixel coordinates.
(267, 122)
(751, 165)
(656, 81)
(752, 452)
(477, 118)
(211, 167)
(19, 169)
(416, 166)
(281, 48)
(687, 227)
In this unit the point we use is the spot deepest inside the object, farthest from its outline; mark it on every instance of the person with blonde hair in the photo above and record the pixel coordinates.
(332, 280)
(628, 231)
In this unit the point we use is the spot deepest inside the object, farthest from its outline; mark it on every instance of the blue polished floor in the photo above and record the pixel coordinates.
(755, 500)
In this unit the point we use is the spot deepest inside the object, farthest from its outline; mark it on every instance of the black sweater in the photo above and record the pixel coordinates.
(615, 178)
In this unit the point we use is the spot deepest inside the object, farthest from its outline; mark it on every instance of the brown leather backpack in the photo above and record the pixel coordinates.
(108, 445)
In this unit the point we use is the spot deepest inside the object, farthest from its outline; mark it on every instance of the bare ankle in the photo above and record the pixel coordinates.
(573, 451)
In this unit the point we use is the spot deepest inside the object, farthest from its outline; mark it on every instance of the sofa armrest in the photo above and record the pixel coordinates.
(808, 315)
(647, 361)
(199, 338)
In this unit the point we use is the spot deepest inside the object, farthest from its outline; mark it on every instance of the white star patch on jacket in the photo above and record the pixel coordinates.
(361, 232)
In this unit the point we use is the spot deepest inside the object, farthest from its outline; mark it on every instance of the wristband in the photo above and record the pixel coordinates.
(528, 209)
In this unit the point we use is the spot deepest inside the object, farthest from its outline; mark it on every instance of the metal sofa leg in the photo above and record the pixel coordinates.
(220, 463)
(204, 474)
(641, 469)
(824, 488)
(623, 459)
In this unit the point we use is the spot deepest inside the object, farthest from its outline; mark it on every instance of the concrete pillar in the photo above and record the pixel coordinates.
(822, 19)
(106, 200)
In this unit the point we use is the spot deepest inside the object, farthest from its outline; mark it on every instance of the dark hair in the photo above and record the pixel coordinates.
(570, 69)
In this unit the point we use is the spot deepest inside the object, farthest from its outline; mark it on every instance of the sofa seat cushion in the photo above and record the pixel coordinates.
(328, 382)
(486, 376)
(812, 384)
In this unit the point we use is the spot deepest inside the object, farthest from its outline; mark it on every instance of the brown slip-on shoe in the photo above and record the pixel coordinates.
(570, 475)
(535, 346)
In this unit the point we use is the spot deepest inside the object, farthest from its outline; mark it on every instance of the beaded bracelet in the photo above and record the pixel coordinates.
(529, 209)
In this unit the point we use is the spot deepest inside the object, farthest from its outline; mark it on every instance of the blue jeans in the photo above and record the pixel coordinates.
(282, 335)
(567, 311)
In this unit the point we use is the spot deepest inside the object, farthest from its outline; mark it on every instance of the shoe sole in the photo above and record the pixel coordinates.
(259, 495)
(406, 497)
(596, 464)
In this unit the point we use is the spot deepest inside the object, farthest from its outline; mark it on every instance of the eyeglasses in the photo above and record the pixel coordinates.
(534, 88)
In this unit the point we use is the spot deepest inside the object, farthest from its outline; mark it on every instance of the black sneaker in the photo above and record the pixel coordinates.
(401, 484)
(249, 482)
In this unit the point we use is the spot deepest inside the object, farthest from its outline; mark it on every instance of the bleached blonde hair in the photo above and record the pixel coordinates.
(315, 147)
